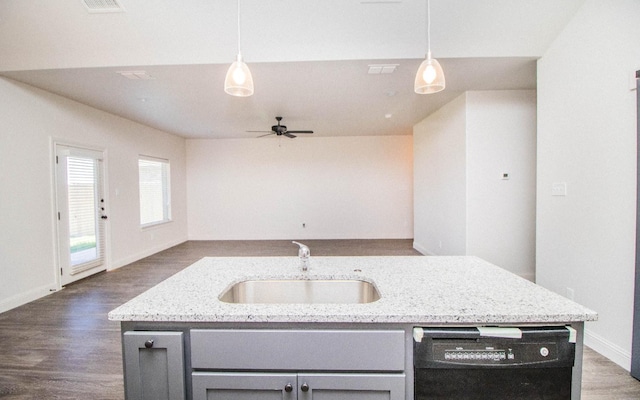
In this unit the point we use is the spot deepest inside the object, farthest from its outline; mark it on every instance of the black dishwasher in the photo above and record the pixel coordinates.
(493, 363)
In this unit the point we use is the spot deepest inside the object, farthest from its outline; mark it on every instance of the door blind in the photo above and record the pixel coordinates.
(85, 230)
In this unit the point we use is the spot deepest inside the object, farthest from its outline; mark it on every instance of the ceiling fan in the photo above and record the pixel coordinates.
(281, 130)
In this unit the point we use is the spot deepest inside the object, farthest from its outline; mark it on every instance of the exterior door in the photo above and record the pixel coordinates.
(80, 213)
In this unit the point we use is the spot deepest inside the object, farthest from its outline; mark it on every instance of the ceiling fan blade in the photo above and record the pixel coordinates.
(280, 130)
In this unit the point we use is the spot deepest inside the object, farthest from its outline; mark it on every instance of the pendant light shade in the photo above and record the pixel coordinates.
(430, 77)
(238, 81)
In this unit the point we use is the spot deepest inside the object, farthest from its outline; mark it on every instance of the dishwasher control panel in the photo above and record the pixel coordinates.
(470, 348)
(484, 353)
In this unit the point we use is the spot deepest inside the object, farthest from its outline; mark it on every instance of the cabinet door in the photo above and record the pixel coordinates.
(153, 365)
(351, 386)
(243, 386)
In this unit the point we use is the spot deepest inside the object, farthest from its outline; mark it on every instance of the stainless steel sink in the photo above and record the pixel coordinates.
(298, 291)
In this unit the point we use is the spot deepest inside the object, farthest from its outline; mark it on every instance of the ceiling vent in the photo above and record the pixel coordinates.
(375, 69)
(136, 75)
(102, 6)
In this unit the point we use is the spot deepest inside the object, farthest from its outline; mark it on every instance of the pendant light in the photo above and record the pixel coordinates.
(238, 81)
(430, 77)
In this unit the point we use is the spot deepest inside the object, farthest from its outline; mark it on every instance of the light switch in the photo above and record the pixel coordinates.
(559, 189)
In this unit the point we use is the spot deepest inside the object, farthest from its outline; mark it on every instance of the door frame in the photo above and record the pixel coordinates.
(635, 346)
(55, 144)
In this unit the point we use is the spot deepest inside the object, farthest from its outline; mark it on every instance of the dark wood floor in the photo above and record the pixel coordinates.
(63, 346)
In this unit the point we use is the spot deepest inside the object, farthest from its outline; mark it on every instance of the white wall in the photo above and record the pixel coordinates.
(587, 138)
(32, 120)
(462, 205)
(440, 181)
(501, 214)
(340, 187)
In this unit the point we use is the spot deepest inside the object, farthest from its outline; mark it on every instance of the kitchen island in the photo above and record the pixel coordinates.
(207, 342)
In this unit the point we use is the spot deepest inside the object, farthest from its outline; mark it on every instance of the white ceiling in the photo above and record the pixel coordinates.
(309, 59)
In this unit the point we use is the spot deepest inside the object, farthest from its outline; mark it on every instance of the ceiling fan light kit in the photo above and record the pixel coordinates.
(238, 81)
(430, 77)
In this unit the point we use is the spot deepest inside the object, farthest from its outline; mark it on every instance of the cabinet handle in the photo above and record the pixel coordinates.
(148, 344)
(304, 387)
(288, 388)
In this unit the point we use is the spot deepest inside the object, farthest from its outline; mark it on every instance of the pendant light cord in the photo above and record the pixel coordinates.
(428, 27)
(239, 52)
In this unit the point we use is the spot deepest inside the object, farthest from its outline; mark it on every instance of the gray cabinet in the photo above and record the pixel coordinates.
(265, 364)
(243, 386)
(154, 365)
(252, 364)
(351, 386)
(303, 386)
(298, 350)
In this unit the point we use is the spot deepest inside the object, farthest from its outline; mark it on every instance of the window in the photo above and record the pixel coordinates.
(155, 199)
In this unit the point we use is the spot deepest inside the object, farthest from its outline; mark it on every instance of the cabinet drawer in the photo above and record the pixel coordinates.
(336, 350)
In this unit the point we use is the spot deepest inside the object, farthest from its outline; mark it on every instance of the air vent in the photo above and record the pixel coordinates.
(102, 6)
(375, 69)
(136, 75)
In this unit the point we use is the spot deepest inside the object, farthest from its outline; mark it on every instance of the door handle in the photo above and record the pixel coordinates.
(104, 217)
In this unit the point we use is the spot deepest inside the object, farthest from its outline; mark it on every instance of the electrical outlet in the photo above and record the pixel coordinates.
(559, 189)
(570, 293)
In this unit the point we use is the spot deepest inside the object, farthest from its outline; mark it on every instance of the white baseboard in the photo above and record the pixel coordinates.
(530, 277)
(24, 298)
(139, 256)
(610, 350)
(39, 292)
(417, 246)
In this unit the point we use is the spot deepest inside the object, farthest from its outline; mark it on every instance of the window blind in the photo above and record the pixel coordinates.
(85, 231)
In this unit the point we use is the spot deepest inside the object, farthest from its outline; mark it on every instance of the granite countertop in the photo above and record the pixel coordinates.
(413, 289)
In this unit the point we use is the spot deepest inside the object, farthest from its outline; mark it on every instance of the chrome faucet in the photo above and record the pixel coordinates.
(305, 254)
